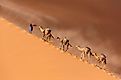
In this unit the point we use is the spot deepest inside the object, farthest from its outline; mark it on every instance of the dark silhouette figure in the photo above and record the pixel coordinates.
(31, 27)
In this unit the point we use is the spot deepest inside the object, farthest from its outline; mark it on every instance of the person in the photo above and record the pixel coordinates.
(31, 28)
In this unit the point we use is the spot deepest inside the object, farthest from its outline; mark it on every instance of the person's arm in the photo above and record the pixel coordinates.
(34, 25)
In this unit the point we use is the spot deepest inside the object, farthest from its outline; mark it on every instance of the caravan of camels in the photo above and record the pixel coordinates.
(65, 44)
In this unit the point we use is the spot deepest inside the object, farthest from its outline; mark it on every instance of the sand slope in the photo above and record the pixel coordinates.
(93, 23)
(25, 57)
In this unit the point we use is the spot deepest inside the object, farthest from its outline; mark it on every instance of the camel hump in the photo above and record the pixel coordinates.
(48, 30)
(88, 48)
(103, 56)
(66, 41)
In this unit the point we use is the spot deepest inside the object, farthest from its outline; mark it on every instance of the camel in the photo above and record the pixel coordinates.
(96, 56)
(64, 42)
(85, 51)
(46, 33)
(101, 59)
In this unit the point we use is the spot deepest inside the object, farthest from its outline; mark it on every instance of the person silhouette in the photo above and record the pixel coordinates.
(31, 27)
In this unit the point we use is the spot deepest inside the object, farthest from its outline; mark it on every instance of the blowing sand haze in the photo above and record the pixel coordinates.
(87, 23)
(26, 57)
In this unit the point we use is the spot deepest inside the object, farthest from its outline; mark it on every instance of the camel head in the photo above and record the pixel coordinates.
(58, 38)
(77, 46)
(40, 27)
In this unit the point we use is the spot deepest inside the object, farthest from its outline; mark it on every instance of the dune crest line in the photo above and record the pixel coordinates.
(25, 34)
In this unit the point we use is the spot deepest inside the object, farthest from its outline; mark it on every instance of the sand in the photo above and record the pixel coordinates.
(26, 57)
(94, 23)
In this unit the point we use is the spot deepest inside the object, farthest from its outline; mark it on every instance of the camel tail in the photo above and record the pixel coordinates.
(53, 36)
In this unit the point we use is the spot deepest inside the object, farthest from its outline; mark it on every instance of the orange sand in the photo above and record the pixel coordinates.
(25, 57)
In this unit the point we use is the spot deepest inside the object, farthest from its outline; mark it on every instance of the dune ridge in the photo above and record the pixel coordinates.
(26, 57)
(88, 23)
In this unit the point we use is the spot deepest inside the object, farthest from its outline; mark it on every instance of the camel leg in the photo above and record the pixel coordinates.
(104, 63)
(67, 47)
(43, 36)
(63, 47)
(60, 46)
(89, 56)
(83, 55)
(48, 38)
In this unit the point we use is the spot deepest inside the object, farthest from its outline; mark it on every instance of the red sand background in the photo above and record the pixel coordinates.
(94, 23)
(26, 57)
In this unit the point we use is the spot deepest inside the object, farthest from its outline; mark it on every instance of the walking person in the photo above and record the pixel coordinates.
(31, 28)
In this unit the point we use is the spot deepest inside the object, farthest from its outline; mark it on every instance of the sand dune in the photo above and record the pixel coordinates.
(93, 23)
(25, 57)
